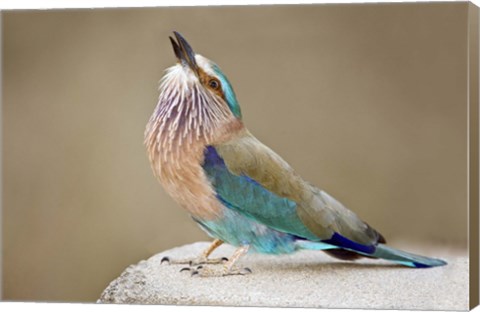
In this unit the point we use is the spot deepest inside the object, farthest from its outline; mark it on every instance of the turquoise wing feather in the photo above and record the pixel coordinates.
(245, 195)
(251, 179)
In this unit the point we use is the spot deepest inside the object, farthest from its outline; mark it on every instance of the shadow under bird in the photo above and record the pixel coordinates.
(236, 188)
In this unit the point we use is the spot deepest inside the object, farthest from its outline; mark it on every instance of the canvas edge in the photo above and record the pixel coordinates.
(473, 129)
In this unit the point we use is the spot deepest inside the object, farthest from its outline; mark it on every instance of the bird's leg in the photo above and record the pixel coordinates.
(202, 259)
(229, 267)
(211, 248)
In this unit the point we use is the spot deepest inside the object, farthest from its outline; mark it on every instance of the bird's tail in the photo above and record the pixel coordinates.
(402, 257)
(381, 252)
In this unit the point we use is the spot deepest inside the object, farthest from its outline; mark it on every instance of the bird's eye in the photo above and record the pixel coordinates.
(214, 84)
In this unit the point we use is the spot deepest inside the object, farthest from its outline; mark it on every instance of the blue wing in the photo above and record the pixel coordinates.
(245, 195)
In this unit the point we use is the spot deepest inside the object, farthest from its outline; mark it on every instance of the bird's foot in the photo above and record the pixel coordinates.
(198, 261)
(204, 271)
(193, 261)
(229, 267)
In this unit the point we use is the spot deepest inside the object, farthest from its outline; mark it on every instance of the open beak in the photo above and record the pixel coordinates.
(184, 52)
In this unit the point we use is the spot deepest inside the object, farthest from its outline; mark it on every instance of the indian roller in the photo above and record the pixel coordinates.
(237, 189)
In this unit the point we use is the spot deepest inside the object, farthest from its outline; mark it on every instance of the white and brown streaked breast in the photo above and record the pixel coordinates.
(188, 117)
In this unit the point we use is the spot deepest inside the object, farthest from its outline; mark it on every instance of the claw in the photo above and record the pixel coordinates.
(165, 259)
(185, 269)
(194, 273)
(243, 271)
(224, 259)
(246, 271)
(199, 267)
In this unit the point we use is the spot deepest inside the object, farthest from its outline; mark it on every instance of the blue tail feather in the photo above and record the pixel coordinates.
(309, 245)
(406, 258)
(342, 241)
(379, 251)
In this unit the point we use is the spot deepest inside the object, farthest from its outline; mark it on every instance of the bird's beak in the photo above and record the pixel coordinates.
(184, 52)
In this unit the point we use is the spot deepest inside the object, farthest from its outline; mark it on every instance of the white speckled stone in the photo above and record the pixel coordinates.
(304, 279)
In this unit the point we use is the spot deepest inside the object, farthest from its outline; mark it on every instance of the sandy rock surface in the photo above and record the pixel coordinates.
(303, 279)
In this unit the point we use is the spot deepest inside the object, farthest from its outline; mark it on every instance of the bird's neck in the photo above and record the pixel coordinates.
(176, 139)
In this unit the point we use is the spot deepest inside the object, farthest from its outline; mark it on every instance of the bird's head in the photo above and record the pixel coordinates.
(194, 71)
(197, 105)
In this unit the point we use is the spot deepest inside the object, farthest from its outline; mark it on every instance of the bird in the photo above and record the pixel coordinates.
(237, 189)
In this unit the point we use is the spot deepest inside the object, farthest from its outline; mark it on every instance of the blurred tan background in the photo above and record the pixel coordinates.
(366, 101)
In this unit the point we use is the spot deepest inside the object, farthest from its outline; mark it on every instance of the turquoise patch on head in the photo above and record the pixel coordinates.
(229, 93)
